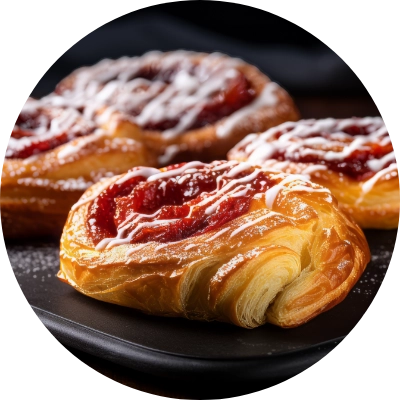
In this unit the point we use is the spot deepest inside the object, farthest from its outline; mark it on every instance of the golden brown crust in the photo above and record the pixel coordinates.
(38, 192)
(378, 208)
(282, 264)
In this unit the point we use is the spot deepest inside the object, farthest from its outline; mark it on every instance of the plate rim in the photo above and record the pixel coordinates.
(158, 362)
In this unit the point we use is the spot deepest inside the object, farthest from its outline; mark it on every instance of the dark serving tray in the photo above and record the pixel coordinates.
(173, 347)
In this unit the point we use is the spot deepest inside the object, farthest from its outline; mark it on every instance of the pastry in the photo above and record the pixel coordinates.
(53, 156)
(104, 119)
(182, 105)
(224, 241)
(352, 157)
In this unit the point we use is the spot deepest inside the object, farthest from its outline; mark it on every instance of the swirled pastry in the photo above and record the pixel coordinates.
(223, 241)
(182, 105)
(353, 157)
(53, 156)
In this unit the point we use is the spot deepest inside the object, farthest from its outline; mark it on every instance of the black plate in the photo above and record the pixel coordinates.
(177, 347)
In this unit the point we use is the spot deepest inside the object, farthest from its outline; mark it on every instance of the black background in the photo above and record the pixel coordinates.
(34, 34)
(303, 65)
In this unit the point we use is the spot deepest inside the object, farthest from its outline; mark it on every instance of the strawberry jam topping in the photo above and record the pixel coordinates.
(352, 147)
(355, 165)
(41, 129)
(172, 208)
(236, 95)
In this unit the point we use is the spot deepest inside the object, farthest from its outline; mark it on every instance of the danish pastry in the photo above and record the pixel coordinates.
(352, 157)
(53, 156)
(224, 241)
(182, 105)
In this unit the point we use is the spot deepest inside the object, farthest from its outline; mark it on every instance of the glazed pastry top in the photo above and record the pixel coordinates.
(181, 201)
(356, 147)
(170, 93)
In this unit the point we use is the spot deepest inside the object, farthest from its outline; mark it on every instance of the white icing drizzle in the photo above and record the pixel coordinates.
(83, 201)
(218, 192)
(145, 172)
(174, 172)
(190, 246)
(211, 209)
(163, 186)
(118, 241)
(272, 193)
(312, 169)
(378, 163)
(262, 152)
(70, 149)
(250, 223)
(169, 153)
(267, 98)
(186, 95)
(370, 183)
(219, 233)
(183, 179)
(131, 220)
(238, 169)
(225, 165)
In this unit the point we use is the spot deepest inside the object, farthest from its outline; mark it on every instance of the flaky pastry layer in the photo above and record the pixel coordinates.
(282, 264)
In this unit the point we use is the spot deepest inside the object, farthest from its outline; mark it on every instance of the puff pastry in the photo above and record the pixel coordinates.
(183, 105)
(54, 155)
(224, 241)
(353, 157)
